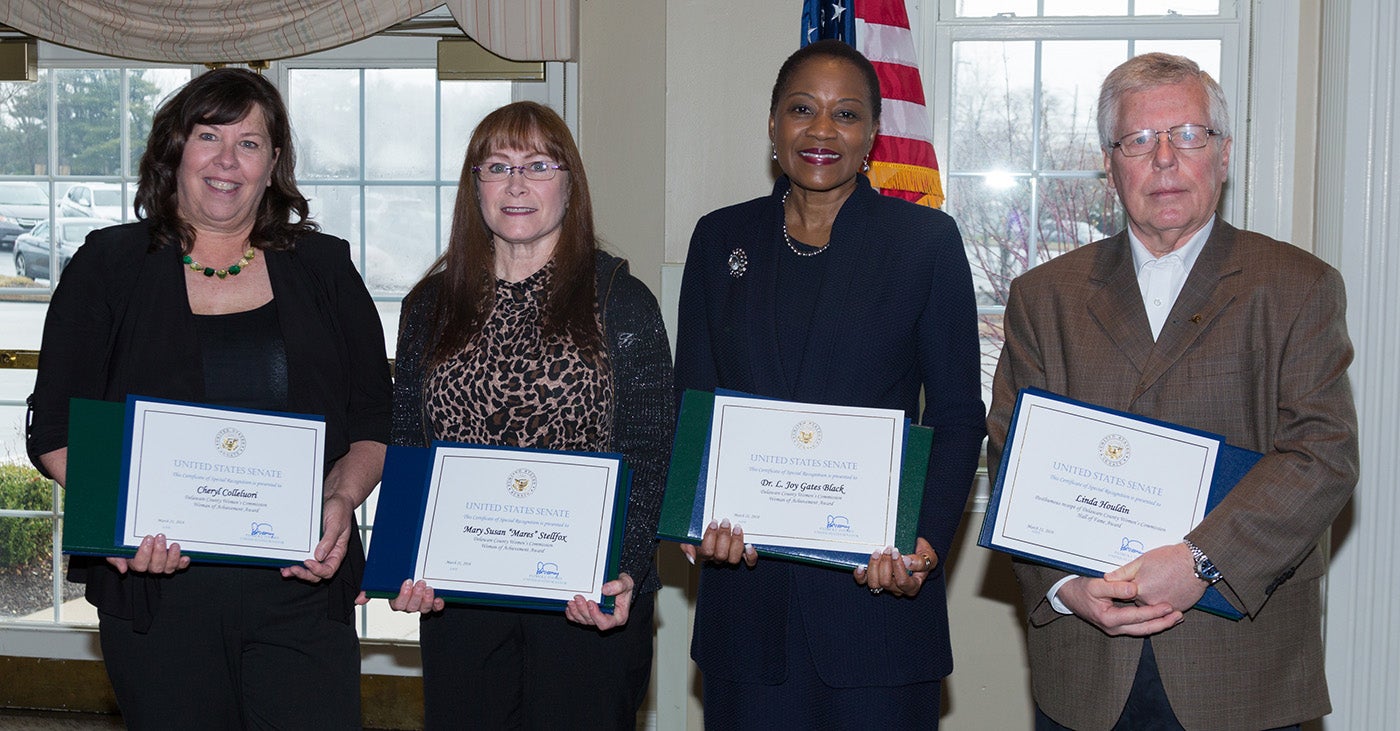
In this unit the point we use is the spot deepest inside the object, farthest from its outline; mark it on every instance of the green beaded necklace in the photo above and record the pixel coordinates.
(233, 269)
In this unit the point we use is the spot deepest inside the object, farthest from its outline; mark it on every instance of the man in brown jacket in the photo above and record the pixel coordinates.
(1184, 318)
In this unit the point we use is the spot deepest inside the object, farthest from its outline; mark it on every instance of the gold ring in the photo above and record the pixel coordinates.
(928, 561)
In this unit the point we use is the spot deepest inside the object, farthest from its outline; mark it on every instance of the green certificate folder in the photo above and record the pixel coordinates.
(682, 511)
(94, 478)
(92, 495)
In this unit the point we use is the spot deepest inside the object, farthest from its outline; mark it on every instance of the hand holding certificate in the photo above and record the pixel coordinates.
(1088, 489)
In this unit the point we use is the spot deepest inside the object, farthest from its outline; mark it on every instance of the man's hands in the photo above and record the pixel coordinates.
(1160, 584)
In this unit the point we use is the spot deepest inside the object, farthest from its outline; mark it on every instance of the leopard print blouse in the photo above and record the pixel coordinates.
(511, 386)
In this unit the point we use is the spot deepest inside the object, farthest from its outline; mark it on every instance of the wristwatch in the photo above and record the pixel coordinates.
(1205, 568)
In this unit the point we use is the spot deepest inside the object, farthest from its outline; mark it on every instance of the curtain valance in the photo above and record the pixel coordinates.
(237, 31)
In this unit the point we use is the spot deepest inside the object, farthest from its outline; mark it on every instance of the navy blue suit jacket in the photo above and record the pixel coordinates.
(896, 313)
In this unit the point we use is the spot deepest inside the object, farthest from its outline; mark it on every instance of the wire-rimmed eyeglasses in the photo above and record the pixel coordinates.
(498, 171)
(1182, 137)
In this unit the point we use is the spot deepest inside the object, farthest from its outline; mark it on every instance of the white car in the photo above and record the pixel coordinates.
(94, 200)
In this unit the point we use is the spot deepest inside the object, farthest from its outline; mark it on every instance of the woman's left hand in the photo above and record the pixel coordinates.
(349, 482)
(899, 575)
(587, 612)
(336, 522)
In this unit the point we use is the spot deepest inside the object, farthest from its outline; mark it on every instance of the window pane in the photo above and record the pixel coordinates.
(149, 88)
(1086, 7)
(464, 103)
(1101, 8)
(449, 200)
(89, 121)
(400, 236)
(1177, 7)
(1071, 72)
(989, 8)
(26, 543)
(24, 126)
(400, 109)
(1074, 212)
(992, 97)
(324, 105)
(24, 231)
(991, 336)
(337, 209)
(993, 215)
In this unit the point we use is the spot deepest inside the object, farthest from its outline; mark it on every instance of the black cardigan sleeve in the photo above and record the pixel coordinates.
(79, 336)
(644, 414)
(413, 341)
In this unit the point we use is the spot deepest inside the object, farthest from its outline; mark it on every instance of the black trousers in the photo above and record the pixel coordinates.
(804, 701)
(235, 648)
(486, 668)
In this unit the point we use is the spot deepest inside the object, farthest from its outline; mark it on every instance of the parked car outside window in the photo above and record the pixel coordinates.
(21, 206)
(32, 248)
(94, 200)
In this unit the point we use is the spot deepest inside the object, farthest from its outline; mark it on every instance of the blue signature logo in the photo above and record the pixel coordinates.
(1131, 546)
(547, 568)
(839, 522)
(263, 529)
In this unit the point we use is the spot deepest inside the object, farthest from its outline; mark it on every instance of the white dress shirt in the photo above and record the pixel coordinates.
(1160, 279)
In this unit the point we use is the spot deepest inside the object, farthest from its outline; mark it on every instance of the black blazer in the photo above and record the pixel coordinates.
(896, 313)
(120, 323)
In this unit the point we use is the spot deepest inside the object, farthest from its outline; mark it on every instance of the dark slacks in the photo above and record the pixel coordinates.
(1147, 709)
(804, 701)
(486, 668)
(235, 648)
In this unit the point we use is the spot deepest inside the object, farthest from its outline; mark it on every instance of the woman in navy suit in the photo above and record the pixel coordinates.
(827, 292)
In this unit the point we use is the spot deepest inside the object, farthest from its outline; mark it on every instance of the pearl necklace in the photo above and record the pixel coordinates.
(233, 269)
(788, 239)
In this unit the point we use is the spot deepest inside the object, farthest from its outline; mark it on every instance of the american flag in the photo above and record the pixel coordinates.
(902, 163)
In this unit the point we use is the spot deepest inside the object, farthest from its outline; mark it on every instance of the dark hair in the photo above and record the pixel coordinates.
(222, 96)
(829, 48)
(467, 268)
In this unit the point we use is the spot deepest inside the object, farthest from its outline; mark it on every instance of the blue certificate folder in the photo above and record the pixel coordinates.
(398, 528)
(683, 509)
(94, 496)
(1231, 465)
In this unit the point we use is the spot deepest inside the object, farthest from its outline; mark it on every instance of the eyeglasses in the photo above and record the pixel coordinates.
(1182, 137)
(498, 171)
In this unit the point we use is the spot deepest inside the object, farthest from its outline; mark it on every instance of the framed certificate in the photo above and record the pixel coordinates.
(812, 482)
(228, 485)
(1089, 489)
(498, 525)
(222, 481)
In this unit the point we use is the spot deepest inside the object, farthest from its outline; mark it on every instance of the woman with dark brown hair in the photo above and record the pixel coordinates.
(524, 334)
(224, 293)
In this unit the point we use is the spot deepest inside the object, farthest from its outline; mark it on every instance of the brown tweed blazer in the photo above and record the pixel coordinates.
(1256, 350)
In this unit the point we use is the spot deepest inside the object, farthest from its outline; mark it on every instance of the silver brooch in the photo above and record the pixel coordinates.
(738, 263)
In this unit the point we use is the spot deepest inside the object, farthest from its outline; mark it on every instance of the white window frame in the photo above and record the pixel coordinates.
(1230, 28)
(1261, 67)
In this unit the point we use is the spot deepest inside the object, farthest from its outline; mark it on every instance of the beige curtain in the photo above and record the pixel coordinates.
(236, 31)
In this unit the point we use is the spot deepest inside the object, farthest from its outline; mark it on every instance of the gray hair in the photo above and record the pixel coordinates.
(1151, 70)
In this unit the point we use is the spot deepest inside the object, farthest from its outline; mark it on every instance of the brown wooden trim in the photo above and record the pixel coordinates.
(81, 686)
